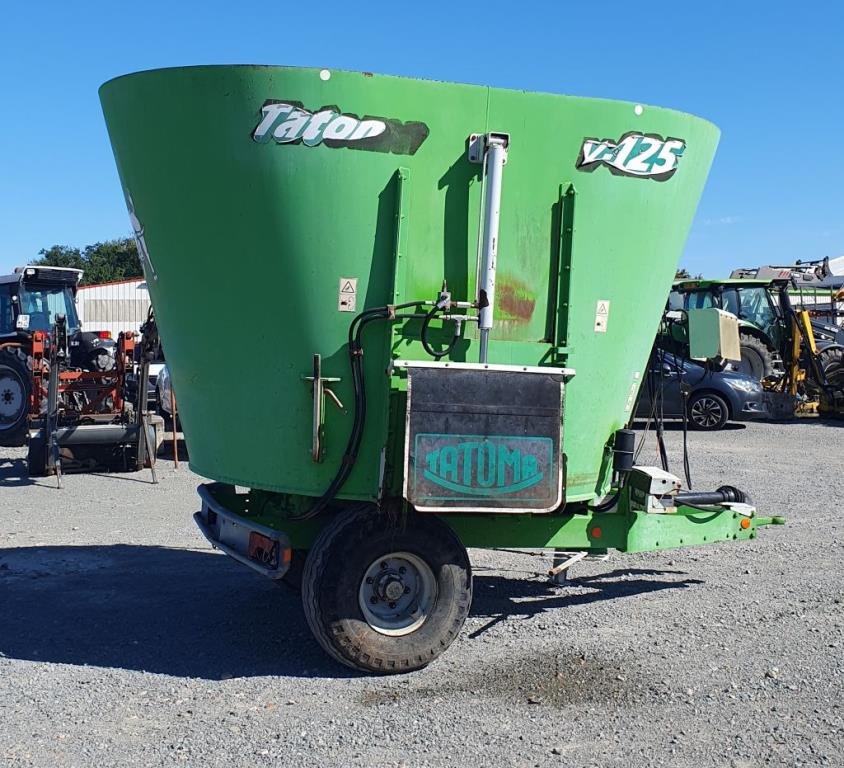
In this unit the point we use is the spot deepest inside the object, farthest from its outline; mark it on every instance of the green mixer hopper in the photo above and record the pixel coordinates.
(314, 240)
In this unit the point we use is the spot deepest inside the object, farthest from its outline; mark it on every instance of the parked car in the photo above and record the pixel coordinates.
(152, 385)
(162, 393)
(715, 396)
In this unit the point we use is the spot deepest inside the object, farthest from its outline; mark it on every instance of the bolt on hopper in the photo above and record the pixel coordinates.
(432, 307)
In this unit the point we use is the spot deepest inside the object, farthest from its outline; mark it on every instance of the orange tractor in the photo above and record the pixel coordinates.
(62, 389)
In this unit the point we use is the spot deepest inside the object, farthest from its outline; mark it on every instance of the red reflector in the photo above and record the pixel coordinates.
(103, 334)
(264, 550)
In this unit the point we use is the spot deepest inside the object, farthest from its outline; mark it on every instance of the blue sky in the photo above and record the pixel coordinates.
(769, 74)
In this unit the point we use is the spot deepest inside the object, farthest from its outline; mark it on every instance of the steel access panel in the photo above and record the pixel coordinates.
(484, 439)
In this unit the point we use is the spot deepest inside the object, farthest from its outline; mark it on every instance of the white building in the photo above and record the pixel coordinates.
(113, 307)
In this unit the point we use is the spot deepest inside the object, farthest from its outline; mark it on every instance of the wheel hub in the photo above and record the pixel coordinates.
(393, 590)
(11, 399)
(706, 412)
(397, 593)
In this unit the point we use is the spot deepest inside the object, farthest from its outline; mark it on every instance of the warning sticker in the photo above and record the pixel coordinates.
(347, 295)
(602, 315)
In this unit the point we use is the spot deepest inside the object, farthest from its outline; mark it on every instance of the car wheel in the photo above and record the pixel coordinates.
(708, 411)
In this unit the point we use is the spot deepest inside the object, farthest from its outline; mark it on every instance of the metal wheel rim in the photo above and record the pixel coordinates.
(397, 593)
(12, 401)
(707, 412)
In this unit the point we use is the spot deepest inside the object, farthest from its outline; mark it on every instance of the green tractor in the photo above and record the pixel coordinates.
(761, 302)
(762, 329)
(780, 344)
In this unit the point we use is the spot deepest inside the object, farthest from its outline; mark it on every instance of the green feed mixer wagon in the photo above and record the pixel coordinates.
(404, 318)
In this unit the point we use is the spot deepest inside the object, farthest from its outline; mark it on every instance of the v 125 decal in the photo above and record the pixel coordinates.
(641, 155)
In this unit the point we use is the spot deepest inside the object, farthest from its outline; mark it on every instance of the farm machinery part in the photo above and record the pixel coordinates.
(62, 389)
(800, 361)
(30, 301)
(475, 405)
(84, 422)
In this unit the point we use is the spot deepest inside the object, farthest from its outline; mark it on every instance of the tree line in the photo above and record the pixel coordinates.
(114, 260)
(105, 262)
(684, 274)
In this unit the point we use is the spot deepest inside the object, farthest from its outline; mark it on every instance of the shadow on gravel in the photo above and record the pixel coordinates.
(165, 450)
(677, 426)
(13, 473)
(807, 420)
(170, 611)
(199, 614)
(505, 599)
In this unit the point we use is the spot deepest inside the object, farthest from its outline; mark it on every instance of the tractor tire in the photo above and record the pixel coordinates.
(832, 363)
(832, 403)
(386, 596)
(708, 411)
(15, 392)
(757, 358)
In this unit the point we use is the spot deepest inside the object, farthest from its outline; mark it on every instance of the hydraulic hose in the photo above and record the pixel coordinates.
(424, 336)
(350, 455)
(607, 504)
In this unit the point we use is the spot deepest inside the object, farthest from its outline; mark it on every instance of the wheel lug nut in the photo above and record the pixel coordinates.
(402, 570)
(373, 599)
(407, 590)
(392, 605)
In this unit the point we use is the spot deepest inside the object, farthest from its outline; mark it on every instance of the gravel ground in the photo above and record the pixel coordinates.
(126, 640)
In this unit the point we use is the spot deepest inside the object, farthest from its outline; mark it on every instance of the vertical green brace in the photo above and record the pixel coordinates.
(567, 199)
(394, 446)
(402, 178)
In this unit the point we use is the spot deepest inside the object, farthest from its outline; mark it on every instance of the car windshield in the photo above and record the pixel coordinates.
(44, 301)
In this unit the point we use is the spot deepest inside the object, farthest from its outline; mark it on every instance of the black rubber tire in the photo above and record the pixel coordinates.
(16, 395)
(335, 569)
(757, 358)
(832, 363)
(715, 411)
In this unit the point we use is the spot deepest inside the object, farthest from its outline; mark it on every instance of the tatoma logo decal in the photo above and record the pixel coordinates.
(644, 155)
(288, 122)
(484, 466)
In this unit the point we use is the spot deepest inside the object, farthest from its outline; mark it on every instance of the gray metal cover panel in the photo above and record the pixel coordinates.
(483, 440)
